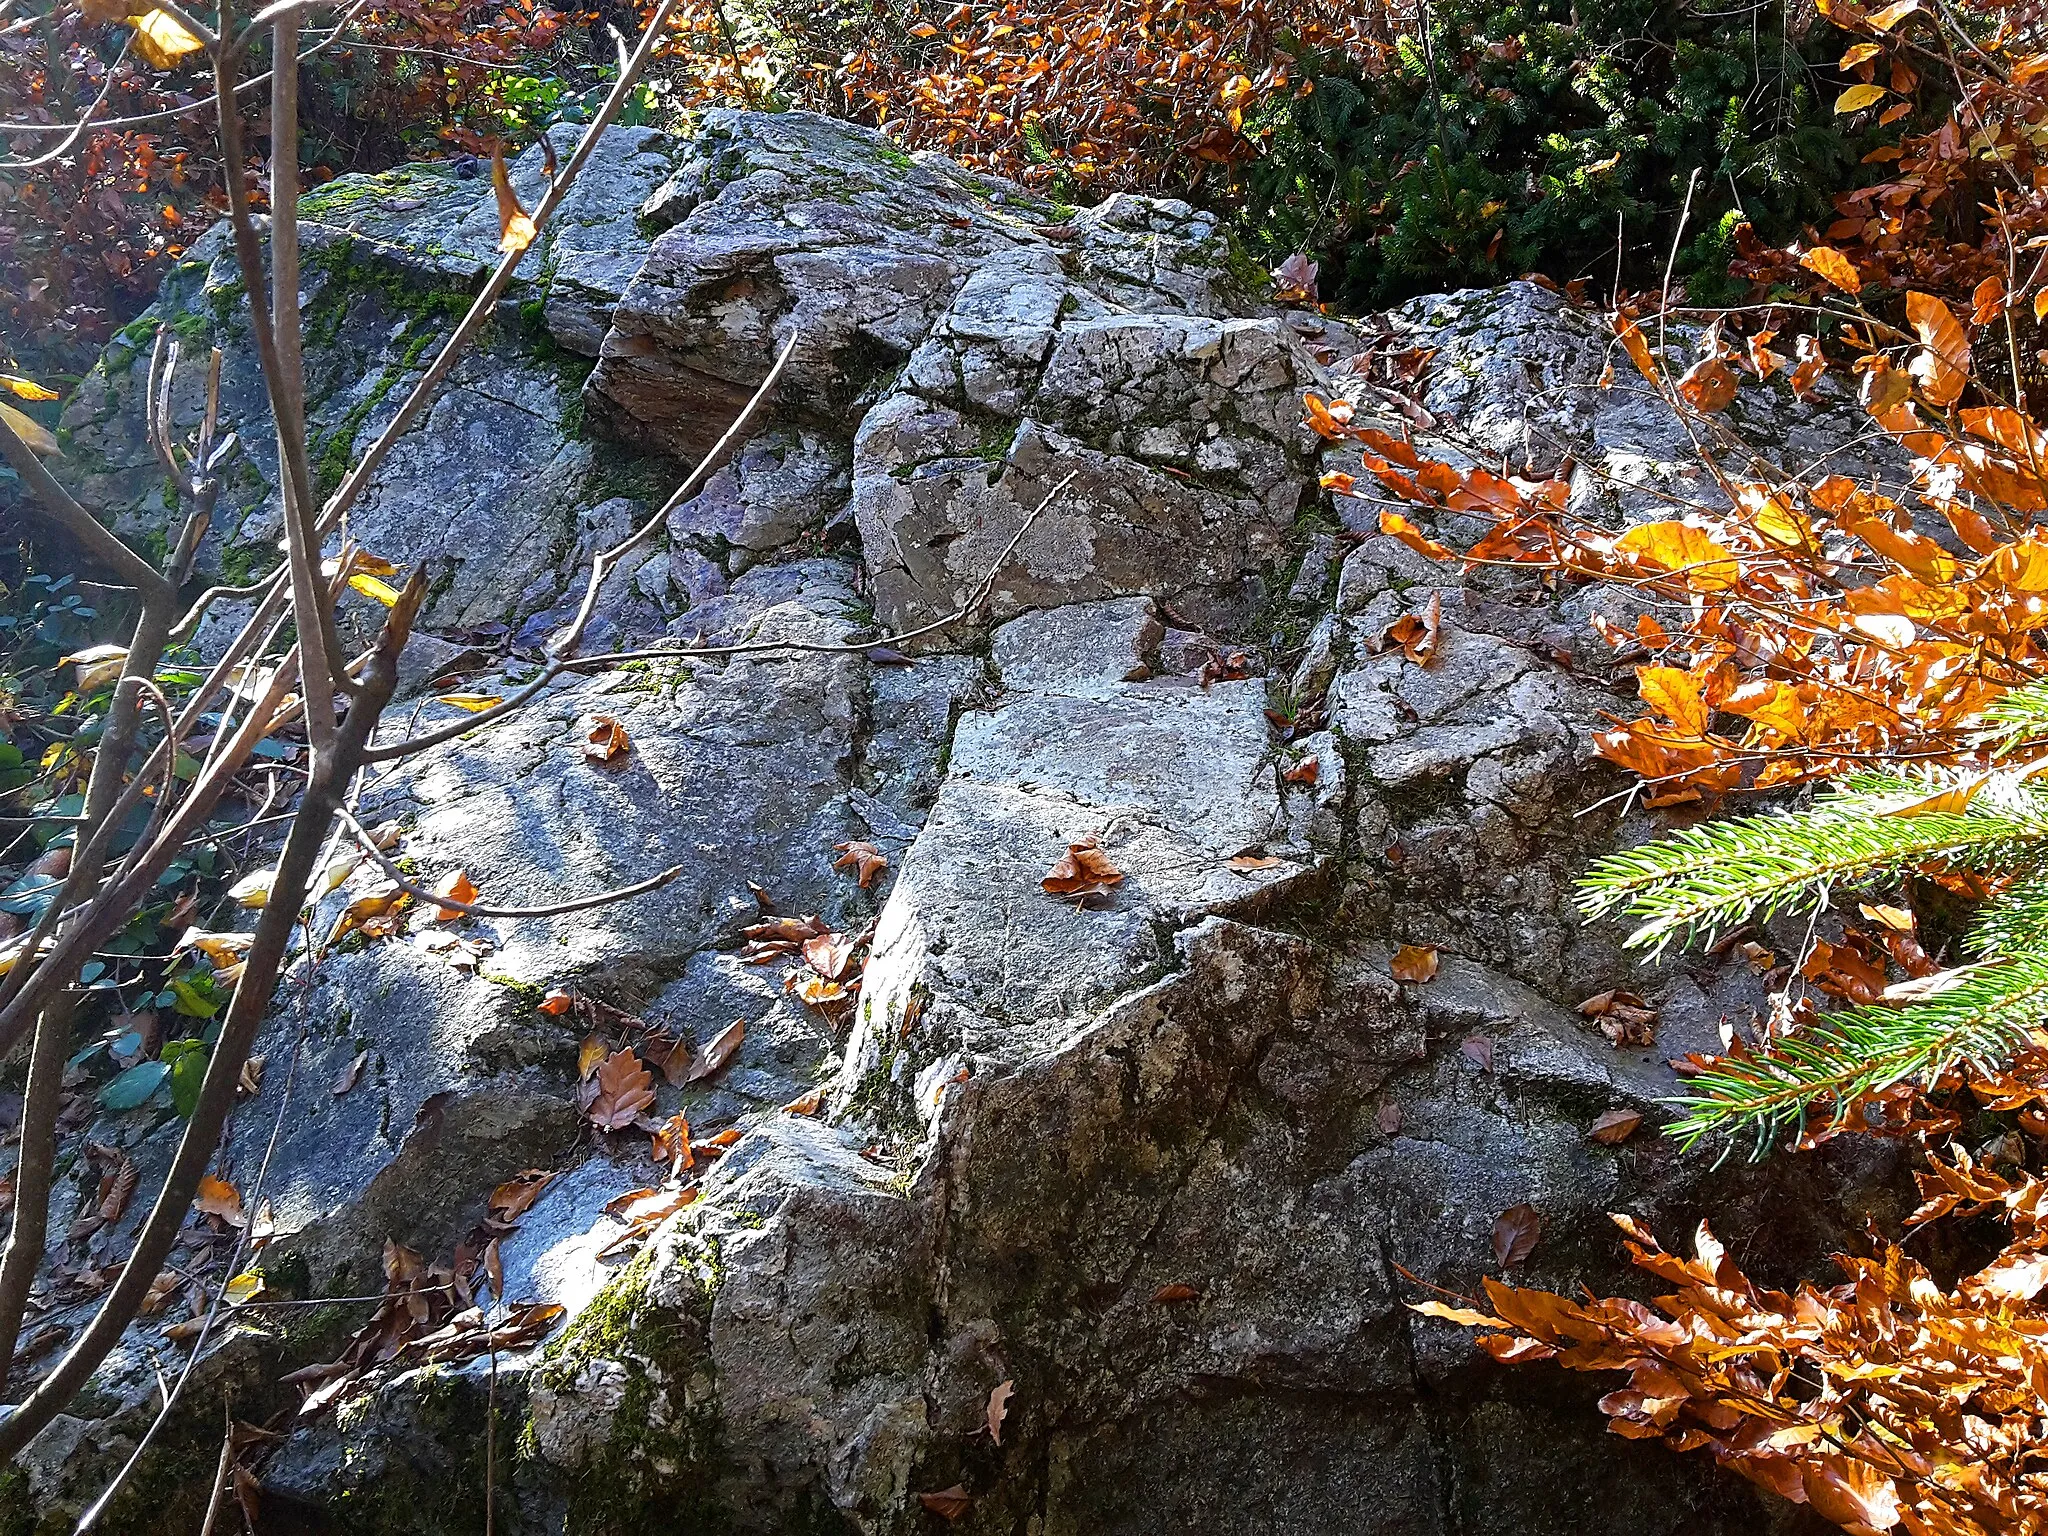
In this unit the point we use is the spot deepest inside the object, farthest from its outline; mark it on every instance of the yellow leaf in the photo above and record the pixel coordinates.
(1675, 694)
(1682, 549)
(1892, 15)
(1857, 97)
(97, 666)
(25, 389)
(371, 587)
(30, 431)
(253, 890)
(1464, 1315)
(1858, 54)
(2041, 305)
(161, 39)
(1834, 266)
(1950, 800)
(475, 703)
(245, 1287)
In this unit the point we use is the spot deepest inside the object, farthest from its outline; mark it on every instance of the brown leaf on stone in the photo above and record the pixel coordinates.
(667, 1054)
(1254, 861)
(351, 1074)
(511, 1199)
(1615, 1126)
(999, 1408)
(864, 859)
(456, 886)
(606, 741)
(556, 1003)
(1175, 1294)
(829, 955)
(1709, 385)
(1515, 1232)
(1304, 773)
(217, 1197)
(1417, 634)
(1082, 873)
(720, 1051)
(590, 1056)
(615, 1095)
(116, 1185)
(1415, 963)
(1624, 1018)
(671, 1144)
(948, 1503)
(806, 1104)
(1389, 1117)
(1478, 1049)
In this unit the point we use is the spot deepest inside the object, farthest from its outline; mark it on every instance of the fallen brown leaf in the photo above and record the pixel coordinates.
(1415, 963)
(556, 1003)
(829, 955)
(1615, 1126)
(806, 1104)
(1082, 873)
(590, 1056)
(351, 1074)
(864, 859)
(455, 887)
(217, 1197)
(1389, 1118)
(614, 1096)
(1478, 1049)
(511, 1199)
(116, 1185)
(1173, 1295)
(720, 1051)
(948, 1503)
(999, 1408)
(606, 740)
(1304, 773)
(1624, 1018)
(1515, 1232)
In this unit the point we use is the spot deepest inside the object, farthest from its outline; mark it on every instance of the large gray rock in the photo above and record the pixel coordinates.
(1164, 1160)
(486, 492)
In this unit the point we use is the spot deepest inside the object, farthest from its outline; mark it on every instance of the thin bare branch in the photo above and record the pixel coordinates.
(483, 909)
(106, 552)
(480, 309)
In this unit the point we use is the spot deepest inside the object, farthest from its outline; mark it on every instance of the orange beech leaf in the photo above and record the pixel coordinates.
(1676, 696)
(217, 1197)
(515, 226)
(1942, 365)
(1082, 873)
(1399, 527)
(1681, 549)
(1834, 266)
(1415, 963)
(1709, 385)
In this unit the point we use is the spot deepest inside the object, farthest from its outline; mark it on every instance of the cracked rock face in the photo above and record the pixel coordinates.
(1164, 1160)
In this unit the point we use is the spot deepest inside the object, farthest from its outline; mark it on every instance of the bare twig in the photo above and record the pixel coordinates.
(482, 909)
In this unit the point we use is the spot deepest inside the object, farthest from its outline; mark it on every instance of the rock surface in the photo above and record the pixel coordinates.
(1164, 1160)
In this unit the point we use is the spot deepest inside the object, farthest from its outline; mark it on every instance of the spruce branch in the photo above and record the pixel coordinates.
(1987, 1014)
(1721, 873)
